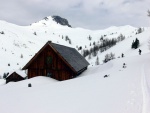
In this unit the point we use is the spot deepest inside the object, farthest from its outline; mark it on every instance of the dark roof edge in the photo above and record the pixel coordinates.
(25, 67)
(15, 73)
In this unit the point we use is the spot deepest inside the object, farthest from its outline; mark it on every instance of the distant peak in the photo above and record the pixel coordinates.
(60, 20)
(46, 18)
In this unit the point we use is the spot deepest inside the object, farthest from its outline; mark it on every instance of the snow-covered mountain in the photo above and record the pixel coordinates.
(125, 90)
(17, 41)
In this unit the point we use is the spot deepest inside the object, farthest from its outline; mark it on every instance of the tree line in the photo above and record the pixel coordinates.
(103, 46)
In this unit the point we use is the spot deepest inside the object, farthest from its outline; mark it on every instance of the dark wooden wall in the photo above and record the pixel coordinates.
(57, 69)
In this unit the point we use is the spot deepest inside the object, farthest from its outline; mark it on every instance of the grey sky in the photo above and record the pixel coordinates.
(90, 14)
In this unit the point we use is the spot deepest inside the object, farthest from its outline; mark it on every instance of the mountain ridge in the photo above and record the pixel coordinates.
(27, 40)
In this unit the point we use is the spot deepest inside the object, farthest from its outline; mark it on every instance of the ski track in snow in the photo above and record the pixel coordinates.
(145, 91)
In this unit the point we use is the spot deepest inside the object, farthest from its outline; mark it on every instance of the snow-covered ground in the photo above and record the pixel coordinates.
(125, 90)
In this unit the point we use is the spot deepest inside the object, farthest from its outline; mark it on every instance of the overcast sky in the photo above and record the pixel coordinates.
(90, 14)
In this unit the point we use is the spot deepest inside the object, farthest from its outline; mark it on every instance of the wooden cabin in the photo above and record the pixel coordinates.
(56, 61)
(15, 76)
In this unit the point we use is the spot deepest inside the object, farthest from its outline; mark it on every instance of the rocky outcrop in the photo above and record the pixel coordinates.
(61, 20)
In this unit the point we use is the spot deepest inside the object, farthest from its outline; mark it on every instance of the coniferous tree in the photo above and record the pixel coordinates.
(95, 50)
(4, 75)
(69, 41)
(97, 61)
(85, 53)
(120, 38)
(122, 55)
(90, 43)
(21, 56)
(34, 33)
(148, 13)
(91, 50)
(80, 48)
(94, 43)
(139, 30)
(101, 39)
(90, 38)
(135, 44)
(66, 38)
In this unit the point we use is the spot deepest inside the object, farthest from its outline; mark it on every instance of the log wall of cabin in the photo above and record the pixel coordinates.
(58, 68)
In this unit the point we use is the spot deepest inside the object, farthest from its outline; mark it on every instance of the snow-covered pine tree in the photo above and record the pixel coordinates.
(109, 57)
(21, 56)
(97, 61)
(139, 30)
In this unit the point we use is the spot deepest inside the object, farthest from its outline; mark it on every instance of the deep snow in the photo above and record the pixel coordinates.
(125, 90)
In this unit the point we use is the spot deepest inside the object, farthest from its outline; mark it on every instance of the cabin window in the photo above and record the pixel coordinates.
(49, 60)
(49, 74)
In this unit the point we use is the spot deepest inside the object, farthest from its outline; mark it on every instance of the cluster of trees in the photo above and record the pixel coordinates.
(140, 30)
(135, 44)
(5, 75)
(67, 39)
(109, 57)
(120, 38)
(103, 46)
(107, 43)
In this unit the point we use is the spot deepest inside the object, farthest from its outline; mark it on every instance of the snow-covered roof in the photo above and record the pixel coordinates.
(72, 56)
(19, 72)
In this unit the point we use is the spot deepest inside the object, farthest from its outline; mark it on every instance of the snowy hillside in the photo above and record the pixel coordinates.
(125, 90)
(18, 44)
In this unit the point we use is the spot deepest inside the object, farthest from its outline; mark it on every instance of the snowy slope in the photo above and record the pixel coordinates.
(25, 41)
(126, 90)
(125, 47)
